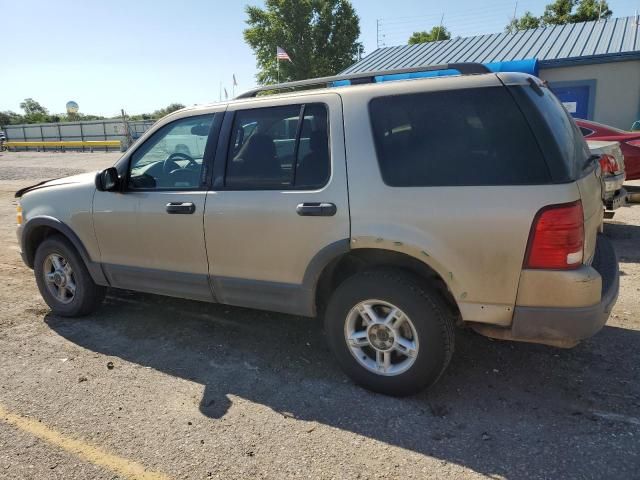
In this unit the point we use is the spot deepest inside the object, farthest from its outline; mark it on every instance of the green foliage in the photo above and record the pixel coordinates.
(36, 113)
(435, 34)
(561, 12)
(10, 118)
(320, 36)
(525, 22)
(590, 10)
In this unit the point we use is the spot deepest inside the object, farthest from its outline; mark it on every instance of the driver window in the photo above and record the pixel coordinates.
(172, 158)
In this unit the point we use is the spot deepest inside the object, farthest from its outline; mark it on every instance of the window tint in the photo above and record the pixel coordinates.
(172, 158)
(562, 142)
(271, 149)
(455, 137)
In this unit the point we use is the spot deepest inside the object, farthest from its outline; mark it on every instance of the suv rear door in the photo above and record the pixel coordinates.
(279, 201)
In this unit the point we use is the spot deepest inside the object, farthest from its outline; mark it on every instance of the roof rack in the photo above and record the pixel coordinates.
(368, 77)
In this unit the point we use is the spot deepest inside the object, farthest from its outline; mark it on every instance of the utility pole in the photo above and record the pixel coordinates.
(440, 27)
(515, 15)
(377, 33)
(600, 9)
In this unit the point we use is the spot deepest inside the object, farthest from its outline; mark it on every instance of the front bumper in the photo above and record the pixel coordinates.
(565, 326)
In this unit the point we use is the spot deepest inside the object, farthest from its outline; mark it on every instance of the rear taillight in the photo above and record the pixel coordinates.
(556, 240)
(608, 164)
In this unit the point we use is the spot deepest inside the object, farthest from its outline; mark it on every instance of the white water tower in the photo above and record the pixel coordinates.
(72, 107)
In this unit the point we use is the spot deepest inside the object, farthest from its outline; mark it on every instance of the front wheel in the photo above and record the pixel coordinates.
(390, 333)
(63, 279)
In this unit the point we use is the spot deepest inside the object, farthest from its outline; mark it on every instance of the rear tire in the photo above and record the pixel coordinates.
(407, 345)
(63, 279)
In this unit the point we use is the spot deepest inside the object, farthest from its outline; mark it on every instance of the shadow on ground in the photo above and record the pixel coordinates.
(514, 410)
(625, 238)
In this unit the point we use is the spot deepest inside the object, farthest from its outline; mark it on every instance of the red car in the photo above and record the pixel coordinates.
(629, 143)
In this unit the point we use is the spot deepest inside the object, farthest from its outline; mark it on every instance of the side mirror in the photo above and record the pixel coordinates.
(107, 180)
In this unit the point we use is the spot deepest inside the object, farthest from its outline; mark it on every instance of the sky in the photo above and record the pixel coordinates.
(142, 55)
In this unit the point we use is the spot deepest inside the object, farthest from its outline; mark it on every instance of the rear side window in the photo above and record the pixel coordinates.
(561, 140)
(455, 137)
(276, 148)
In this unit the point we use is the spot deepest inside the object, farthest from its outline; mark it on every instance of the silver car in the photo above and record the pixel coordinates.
(398, 211)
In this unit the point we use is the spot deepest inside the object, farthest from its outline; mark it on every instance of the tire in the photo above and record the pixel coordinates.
(86, 297)
(430, 327)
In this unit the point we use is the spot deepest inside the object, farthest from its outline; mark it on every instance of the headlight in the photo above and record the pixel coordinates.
(19, 214)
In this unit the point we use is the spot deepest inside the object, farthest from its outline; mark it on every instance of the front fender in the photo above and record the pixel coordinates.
(29, 235)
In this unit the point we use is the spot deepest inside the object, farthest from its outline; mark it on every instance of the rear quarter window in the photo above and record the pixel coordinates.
(562, 143)
(455, 138)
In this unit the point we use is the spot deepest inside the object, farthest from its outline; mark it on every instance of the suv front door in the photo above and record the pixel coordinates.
(150, 233)
(279, 205)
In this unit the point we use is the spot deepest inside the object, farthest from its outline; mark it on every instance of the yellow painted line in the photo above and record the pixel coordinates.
(97, 456)
(71, 143)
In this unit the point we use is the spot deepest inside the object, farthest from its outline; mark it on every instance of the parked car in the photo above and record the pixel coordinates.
(629, 143)
(611, 161)
(394, 223)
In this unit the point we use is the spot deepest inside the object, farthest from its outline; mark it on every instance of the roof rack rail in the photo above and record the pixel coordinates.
(368, 77)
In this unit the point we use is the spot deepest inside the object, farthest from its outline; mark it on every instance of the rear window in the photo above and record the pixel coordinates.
(455, 137)
(561, 140)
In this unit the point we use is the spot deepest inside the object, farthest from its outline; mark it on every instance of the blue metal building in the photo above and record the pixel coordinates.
(594, 67)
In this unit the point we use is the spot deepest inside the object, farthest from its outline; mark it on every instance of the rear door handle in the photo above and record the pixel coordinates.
(184, 208)
(316, 209)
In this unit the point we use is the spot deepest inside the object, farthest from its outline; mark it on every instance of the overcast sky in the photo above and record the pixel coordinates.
(142, 55)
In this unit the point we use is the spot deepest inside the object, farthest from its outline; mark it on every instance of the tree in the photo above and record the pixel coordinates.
(172, 107)
(33, 111)
(10, 118)
(31, 107)
(558, 12)
(525, 22)
(561, 12)
(434, 35)
(591, 10)
(320, 36)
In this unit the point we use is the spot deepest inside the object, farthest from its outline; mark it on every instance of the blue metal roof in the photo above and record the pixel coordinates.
(558, 45)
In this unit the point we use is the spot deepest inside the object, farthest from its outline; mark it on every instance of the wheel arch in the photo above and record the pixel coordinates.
(37, 229)
(352, 261)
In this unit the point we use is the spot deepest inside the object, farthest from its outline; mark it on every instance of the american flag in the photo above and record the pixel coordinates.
(281, 54)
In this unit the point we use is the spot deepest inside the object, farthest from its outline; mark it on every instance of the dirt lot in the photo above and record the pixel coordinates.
(201, 391)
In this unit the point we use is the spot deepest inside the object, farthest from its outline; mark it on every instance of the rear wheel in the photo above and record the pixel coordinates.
(63, 279)
(390, 333)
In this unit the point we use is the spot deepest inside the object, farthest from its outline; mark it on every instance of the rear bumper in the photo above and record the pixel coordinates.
(612, 183)
(617, 200)
(565, 326)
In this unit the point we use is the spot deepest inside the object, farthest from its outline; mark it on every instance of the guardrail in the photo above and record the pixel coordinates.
(62, 146)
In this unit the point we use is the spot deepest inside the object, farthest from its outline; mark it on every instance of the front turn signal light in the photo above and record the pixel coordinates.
(19, 214)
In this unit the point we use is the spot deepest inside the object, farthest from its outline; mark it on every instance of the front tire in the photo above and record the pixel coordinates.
(389, 331)
(63, 279)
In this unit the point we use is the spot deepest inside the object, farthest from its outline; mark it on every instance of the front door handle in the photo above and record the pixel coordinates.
(185, 208)
(316, 209)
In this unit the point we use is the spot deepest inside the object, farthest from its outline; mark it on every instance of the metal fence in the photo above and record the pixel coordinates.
(112, 129)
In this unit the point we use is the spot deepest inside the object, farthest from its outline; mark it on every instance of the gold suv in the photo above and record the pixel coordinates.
(397, 210)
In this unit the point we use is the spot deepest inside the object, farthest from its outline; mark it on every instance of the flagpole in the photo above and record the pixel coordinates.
(278, 64)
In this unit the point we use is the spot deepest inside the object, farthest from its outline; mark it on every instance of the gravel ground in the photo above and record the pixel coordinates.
(209, 391)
